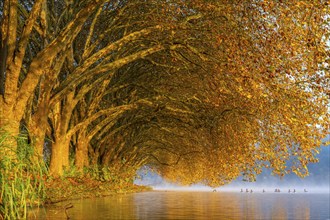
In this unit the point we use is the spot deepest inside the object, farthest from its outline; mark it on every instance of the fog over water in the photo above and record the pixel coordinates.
(318, 180)
(170, 201)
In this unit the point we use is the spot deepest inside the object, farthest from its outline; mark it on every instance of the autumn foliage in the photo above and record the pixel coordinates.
(202, 91)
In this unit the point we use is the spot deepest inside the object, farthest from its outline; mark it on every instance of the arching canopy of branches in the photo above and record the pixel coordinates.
(202, 91)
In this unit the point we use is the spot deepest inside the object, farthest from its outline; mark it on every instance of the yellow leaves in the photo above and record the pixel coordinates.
(240, 89)
(261, 104)
(219, 40)
(326, 143)
(303, 4)
(244, 93)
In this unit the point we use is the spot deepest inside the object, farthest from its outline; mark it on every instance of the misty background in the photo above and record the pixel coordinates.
(317, 181)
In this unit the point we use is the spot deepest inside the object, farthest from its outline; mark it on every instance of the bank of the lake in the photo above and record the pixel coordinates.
(61, 193)
(72, 188)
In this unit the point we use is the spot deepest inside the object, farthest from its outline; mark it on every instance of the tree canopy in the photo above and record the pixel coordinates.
(201, 91)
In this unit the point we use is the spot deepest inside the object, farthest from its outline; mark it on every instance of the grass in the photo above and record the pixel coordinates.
(21, 178)
(25, 183)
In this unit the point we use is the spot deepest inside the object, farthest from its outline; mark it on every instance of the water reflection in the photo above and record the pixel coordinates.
(195, 205)
(186, 205)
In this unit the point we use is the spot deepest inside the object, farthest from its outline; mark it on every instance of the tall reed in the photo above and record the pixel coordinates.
(21, 179)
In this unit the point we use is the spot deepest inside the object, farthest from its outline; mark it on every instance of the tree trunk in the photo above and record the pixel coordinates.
(9, 130)
(94, 155)
(60, 149)
(38, 124)
(38, 140)
(106, 158)
(37, 130)
(61, 120)
(81, 156)
(60, 157)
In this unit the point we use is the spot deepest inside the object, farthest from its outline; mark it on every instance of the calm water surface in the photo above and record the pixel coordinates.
(195, 205)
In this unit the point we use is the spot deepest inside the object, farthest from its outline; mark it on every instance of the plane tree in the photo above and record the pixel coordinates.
(72, 41)
(106, 60)
(206, 89)
(263, 100)
(21, 29)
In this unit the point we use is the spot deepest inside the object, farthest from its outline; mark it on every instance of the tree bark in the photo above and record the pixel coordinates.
(37, 134)
(59, 157)
(38, 124)
(81, 156)
(14, 100)
(9, 129)
(61, 118)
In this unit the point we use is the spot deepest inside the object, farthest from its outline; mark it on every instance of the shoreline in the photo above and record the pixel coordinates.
(68, 189)
(62, 194)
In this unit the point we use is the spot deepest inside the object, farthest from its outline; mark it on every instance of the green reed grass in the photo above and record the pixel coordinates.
(21, 179)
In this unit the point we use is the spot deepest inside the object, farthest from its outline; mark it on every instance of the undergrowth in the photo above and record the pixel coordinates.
(21, 178)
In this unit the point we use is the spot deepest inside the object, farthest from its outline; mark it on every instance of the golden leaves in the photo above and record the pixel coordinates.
(261, 99)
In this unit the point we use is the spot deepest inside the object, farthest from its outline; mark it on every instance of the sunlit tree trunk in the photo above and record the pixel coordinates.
(14, 96)
(37, 131)
(37, 125)
(81, 156)
(60, 148)
(37, 122)
(59, 157)
(9, 121)
(9, 126)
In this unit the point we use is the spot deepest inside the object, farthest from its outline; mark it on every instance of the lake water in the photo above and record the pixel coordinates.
(195, 205)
